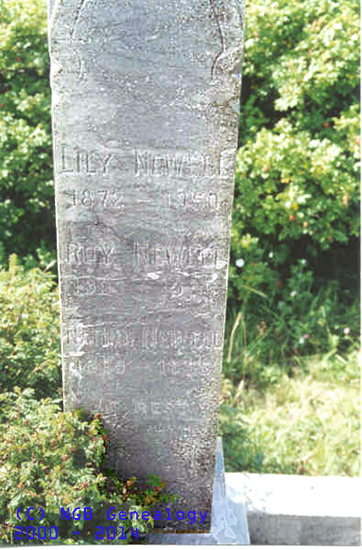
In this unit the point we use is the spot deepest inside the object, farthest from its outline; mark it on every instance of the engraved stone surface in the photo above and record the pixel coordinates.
(145, 131)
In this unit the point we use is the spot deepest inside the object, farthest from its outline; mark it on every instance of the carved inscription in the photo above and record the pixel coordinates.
(83, 254)
(107, 364)
(147, 256)
(90, 198)
(153, 337)
(112, 365)
(175, 165)
(110, 362)
(179, 408)
(114, 198)
(175, 256)
(200, 294)
(197, 366)
(90, 286)
(192, 201)
(147, 337)
(75, 160)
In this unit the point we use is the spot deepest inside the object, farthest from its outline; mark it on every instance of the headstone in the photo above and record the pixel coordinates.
(144, 108)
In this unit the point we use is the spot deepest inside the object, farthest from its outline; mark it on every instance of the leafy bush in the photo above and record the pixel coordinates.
(29, 330)
(297, 190)
(51, 459)
(26, 186)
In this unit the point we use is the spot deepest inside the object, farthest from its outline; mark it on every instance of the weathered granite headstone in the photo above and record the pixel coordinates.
(145, 131)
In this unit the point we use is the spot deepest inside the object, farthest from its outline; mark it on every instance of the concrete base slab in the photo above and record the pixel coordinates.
(299, 510)
(228, 524)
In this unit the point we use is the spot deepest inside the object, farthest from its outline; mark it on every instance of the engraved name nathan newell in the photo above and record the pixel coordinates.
(145, 133)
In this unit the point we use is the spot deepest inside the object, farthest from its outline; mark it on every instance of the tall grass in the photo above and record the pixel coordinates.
(291, 392)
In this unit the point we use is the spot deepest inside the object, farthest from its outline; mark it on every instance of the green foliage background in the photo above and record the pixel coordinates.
(26, 174)
(296, 211)
(295, 219)
(29, 330)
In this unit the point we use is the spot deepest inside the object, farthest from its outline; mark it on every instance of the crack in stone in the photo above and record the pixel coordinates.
(212, 3)
(77, 15)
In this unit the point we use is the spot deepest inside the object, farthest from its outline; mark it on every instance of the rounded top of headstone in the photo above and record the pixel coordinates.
(136, 26)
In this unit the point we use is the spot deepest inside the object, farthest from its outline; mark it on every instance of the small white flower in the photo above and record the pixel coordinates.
(293, 293)
(346, 330)
(240, 262)
(270, 255)
(301, 341)
(303, 262)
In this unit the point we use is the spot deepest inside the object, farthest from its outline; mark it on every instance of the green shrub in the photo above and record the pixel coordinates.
(51, 459)
(29, 330)
(26, 186)
(297, 177)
